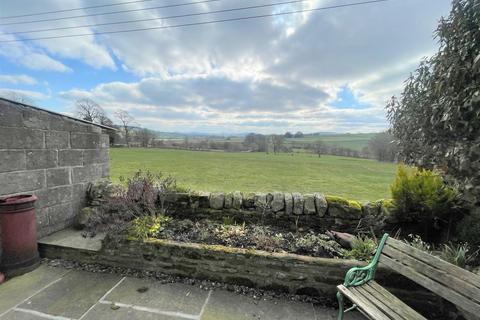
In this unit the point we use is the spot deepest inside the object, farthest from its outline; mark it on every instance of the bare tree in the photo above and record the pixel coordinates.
(277, 141)
(103, 119)
(186, 142)
(89, 110)
(319, 147)
(145, 137)
(127, 120)
(382, 147)
(256, 142)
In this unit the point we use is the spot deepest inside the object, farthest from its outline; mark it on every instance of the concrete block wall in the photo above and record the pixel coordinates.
(51, 156)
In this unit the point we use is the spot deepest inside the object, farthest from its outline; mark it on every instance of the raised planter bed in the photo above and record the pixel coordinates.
(275, 271)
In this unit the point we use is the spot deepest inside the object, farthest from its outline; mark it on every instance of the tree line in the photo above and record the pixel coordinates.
(129, 133)
(380, 147)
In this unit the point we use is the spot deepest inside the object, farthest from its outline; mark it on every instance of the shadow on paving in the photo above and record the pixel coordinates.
(56, 293)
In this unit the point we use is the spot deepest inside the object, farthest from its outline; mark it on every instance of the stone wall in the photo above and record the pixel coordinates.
(253, 268)
(51, 156)
(313, 211)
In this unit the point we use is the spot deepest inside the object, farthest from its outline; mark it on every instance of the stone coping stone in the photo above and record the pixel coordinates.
(71, 238)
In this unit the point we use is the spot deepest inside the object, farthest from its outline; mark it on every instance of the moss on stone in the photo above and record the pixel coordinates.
(336, 200)
(344, 208)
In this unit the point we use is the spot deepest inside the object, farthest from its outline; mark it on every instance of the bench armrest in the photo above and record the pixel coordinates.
(357, 276)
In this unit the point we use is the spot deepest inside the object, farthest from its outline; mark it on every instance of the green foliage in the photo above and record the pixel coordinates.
(458, 254)
(363, 248)
(228, 221)
(420, 195)
(468, 229)
(148, 226)
(436, 121)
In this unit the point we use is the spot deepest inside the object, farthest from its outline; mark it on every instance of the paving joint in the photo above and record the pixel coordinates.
(152, 310)
(102, 298)
(205, 304)
(34, 294)
(41, 314)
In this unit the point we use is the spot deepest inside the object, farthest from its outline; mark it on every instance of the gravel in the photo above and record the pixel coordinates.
(257, 294)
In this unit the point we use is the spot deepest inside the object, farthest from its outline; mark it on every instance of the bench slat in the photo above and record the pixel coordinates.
(430, 284)
(360, 291)
(450, 280)
(435, 262)
(398, 306)
(366, 306)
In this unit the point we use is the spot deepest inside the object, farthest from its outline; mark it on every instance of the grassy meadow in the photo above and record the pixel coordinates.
(354, 141)
(358, 179)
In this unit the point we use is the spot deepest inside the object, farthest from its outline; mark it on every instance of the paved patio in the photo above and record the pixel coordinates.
(58, 293)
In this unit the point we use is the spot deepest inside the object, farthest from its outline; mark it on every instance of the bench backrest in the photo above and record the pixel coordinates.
(450, 282)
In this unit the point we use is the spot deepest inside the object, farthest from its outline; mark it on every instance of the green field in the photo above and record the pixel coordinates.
(359, 179)
(354, 141)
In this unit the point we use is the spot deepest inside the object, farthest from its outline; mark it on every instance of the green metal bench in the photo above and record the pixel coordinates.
(450, 282)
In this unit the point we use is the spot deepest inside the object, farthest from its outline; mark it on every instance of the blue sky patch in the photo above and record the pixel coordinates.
(347, 100)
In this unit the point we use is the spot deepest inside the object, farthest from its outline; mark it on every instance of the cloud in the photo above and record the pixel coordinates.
(265, 75)
(221, 94)
(85, 49)
(210, 104)
(17, 79)
(30, 57)
(28, 94)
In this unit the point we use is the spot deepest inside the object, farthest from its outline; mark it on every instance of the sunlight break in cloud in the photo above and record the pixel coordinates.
(266, 75)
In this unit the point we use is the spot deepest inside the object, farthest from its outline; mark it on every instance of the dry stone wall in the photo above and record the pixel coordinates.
(313, 210)
(51, 156)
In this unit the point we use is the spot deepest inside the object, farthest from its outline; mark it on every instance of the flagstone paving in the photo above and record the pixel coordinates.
(61, 294)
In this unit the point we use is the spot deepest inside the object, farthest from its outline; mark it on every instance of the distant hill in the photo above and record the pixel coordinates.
(354, 141)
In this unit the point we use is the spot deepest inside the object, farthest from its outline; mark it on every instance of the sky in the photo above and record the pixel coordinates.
(315, 71)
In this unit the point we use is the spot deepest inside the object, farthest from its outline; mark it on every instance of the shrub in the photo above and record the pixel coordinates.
(137, 198)
(421, 196)
(468, 230)
(147, 226)
(363, 248)
(458, 254)
(140, 196)
(436, 120)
